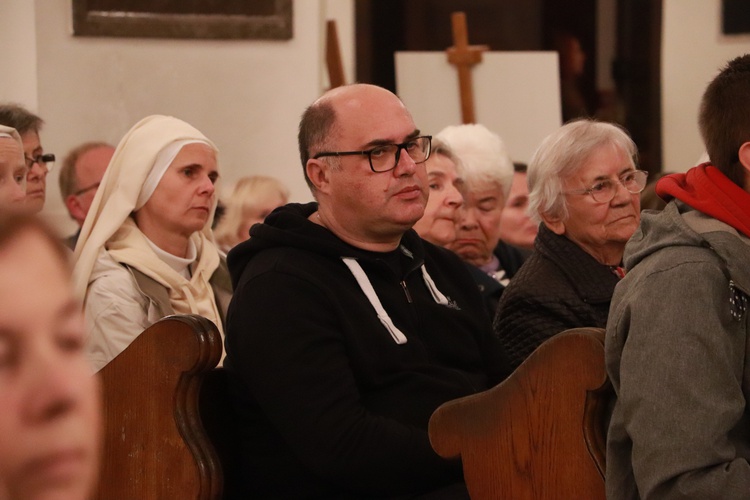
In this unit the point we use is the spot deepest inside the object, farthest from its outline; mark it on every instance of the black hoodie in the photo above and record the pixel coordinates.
(331, 405)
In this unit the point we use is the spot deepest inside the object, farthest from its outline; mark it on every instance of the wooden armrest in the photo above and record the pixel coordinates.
(154, 443)
(540, 434)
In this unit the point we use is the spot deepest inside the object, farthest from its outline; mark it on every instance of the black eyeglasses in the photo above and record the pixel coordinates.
(385, 158)
(634, 181)
(86, 189)
(41, 160)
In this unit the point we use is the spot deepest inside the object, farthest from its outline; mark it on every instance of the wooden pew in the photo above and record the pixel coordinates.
(540, 434)
(155, 446)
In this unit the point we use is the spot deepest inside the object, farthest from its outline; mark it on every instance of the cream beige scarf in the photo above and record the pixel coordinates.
(109, 224)
(194, 296)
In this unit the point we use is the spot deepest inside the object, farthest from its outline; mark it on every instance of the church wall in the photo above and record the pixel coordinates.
(246, 95)
(693, 50)
(18, 46)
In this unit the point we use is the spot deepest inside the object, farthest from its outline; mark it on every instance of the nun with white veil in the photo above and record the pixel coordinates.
(146, 248)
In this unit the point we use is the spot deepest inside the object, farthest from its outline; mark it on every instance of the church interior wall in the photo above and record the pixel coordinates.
(694, 48)
(247, 95)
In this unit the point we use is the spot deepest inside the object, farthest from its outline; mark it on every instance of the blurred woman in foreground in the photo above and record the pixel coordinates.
(50, 420)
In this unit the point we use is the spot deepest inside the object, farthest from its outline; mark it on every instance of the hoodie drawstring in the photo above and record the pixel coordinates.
(369, 291)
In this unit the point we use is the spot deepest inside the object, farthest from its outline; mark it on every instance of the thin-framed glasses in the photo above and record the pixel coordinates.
(86, 189)
(603, 191)
(385, 157)
(45, 160)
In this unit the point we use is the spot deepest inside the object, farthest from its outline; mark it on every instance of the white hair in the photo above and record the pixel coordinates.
(561, 154)
(482, 154)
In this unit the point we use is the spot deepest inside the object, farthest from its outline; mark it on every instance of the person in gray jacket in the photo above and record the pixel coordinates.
(677, 334)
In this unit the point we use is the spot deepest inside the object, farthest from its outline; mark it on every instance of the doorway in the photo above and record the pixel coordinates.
(386, 26)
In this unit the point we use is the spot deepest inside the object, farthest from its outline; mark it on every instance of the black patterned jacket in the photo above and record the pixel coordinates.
(560, 286)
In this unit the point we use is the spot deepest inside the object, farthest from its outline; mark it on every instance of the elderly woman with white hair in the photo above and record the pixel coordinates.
(146, 248)
(487, 172)
(585, 189)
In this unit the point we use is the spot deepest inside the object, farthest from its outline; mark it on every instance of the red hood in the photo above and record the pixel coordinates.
(706, 189)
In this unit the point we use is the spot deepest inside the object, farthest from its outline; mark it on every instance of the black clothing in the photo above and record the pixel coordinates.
(331, 405)
(560, 286)
(511, 259)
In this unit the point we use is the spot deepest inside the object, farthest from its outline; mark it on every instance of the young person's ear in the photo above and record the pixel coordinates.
(744, 155)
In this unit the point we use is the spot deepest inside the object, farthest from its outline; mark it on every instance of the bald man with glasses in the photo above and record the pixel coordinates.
(346, 330)
(82, 171)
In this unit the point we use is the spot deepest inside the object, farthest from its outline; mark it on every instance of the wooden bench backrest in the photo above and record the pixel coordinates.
(155, 446)
(540, 434)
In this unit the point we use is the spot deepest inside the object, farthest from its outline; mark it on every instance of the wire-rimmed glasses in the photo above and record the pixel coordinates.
(603, 191)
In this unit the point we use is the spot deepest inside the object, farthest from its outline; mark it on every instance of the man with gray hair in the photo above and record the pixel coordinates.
(80, 175)
(38, 163)
(487, 172)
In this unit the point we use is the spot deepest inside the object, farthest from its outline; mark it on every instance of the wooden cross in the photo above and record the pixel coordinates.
(333, 56)
(464, 56)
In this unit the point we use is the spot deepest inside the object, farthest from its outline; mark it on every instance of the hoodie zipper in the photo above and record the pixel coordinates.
(406, 291)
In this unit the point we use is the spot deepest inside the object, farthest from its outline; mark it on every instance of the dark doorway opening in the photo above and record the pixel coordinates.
(386, 26)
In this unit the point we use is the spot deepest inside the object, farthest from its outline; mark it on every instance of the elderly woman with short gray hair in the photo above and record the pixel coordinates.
(584, 187)
(487, 172)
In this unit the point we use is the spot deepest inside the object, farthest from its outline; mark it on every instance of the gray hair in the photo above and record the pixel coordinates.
(561, 154)
(440, 147)
(484, 157)
(21, 119)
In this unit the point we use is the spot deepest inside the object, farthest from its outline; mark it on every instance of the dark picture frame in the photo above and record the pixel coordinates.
(207, 19)
(735, 17)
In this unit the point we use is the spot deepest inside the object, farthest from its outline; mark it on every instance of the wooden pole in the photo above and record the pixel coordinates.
(464, 56)
(333, 56)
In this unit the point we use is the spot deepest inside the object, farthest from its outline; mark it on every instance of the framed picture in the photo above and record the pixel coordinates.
(735, 17)
(215, 19)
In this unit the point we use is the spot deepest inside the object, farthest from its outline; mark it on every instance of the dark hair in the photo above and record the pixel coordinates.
(724, 118)
(565, 43)
(14, 223)
(314, 130)
(68, 179)
(520, 167)
(18, 117)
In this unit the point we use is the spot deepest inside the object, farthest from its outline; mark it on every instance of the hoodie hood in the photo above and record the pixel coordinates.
(708, 190)
(659, 230)
(288, 226)
(679, 225)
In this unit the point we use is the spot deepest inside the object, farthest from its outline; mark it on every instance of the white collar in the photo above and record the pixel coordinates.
(179, 264)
